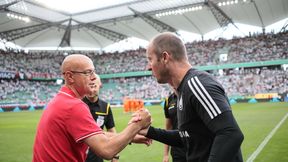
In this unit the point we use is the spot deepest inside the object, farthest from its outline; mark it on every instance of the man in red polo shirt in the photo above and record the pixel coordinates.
(66, 128)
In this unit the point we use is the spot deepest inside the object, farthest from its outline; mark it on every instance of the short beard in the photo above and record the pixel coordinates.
(164, 78)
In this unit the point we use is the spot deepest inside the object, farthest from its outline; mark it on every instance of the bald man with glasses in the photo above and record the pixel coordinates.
(67, 128)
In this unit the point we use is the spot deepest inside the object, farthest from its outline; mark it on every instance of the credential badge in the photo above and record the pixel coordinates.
(100, 121)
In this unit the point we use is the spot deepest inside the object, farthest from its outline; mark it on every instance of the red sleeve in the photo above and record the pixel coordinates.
(81, 124)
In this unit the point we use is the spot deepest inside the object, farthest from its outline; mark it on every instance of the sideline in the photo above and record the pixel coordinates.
(266, 140)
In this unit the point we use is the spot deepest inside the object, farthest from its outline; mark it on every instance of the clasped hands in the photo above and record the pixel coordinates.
(143, 118)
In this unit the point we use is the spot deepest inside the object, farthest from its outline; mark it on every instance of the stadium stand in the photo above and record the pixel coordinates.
(30, 77)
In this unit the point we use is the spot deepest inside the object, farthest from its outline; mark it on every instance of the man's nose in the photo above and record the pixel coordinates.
(93, 75)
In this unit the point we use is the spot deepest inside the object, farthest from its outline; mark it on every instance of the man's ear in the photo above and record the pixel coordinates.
(165, 56)
(69, 77)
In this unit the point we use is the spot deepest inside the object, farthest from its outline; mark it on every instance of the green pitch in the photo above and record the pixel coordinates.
(17, 130)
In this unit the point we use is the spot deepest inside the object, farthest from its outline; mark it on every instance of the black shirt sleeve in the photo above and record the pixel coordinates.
(110, 120)
(169, 137)
(228, 139)
(166, 106)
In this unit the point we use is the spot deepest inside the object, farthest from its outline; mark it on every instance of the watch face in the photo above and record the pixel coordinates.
(100, 121)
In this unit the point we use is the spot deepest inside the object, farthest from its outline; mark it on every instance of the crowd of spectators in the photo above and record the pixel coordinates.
(45, 65)
(34, 65)
(133, 60)
(31, 92)
(241, 82)
(248, 49)
(248, 82)
(145, 87)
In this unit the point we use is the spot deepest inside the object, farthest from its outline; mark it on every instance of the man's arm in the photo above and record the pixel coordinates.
(138, 139)
(107, 146)
(168, 125)
(117, 156)
(112, 130)
(169, 137)
(228, 138)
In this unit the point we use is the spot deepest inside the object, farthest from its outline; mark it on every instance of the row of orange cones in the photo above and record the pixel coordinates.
(132, 105)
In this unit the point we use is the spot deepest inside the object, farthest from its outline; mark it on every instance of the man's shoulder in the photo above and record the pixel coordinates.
(195, 76)
(62, 99)
(102, 102)
(103, 106)
(85, 100)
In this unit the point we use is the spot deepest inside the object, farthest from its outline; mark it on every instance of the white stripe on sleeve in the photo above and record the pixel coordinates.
(199, 98)
(208, 95)
(204, 97)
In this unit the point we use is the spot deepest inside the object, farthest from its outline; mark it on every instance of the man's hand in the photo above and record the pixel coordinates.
(135, 118)
(144, 131)
(142, 117)
(114, 160)
(142, 140)
(166, 158)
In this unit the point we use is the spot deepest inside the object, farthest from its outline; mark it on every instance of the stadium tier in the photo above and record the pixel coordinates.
(30, 77)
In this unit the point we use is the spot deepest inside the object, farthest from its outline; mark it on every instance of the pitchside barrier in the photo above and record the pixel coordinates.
(20, 107)
(255, 100)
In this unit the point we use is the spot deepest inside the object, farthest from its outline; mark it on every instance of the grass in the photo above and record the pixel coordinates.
(17, 130)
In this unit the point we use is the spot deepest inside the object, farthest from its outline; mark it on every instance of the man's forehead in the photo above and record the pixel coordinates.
(149, 51)
(88, 66)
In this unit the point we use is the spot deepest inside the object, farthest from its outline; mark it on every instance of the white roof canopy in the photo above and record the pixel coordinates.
(101, 23)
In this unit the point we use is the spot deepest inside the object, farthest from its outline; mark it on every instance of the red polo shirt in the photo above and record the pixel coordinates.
(63, 126)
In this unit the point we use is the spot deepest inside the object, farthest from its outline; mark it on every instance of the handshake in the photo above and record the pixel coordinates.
(141, 118)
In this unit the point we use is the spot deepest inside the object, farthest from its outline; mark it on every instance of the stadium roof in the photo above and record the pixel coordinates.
(36, 23)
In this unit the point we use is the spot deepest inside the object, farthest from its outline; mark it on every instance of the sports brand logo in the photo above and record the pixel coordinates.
(184, 134)
(180, 103)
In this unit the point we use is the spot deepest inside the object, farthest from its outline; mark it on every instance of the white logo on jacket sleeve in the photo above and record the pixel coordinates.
(100, 121)
(184, 134)
(180, 103)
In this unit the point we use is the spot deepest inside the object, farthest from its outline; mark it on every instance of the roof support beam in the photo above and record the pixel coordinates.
(284, 27)
(5, 6)
(109, 34)
(220, 16)
(156, 24)
(66, 39)
(14, 34)
(259, 15)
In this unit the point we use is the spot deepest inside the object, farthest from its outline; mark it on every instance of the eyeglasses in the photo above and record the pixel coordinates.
(86, 72)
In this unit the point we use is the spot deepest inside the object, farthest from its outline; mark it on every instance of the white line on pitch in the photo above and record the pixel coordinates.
(266, 140)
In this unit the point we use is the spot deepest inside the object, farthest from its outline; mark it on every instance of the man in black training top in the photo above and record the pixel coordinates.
(206, 124)
(170, 110)
(102, 114)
